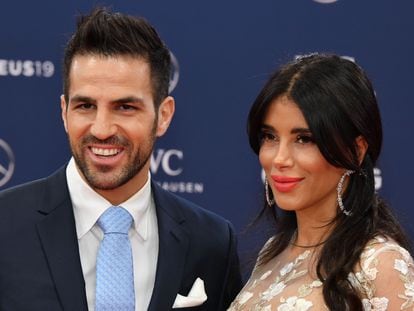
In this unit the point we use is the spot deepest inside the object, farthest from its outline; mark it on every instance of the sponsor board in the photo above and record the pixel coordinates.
(170, 162)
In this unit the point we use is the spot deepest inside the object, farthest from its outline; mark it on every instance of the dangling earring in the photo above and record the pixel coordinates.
(339, 191)
(269, 201)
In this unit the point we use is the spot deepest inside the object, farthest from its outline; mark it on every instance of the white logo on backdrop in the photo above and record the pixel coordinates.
(26, 68)
(175, 73)
(350, 58)
(377, 177)
(170, 161)
(164, 158)
(325, 1)
(6, 165)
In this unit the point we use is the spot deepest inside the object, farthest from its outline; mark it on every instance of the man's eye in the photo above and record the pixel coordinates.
(126, 107)
(85, 106)
(304, 139)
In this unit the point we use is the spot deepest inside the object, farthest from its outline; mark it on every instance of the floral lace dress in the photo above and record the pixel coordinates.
(385, 279)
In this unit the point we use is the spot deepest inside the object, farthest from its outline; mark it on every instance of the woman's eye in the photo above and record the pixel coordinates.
(266, 138)
(304, 139)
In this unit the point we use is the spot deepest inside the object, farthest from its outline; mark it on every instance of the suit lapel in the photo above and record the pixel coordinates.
(57, 233)
(173, 245)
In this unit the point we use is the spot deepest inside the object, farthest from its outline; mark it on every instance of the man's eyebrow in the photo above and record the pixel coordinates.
(123, 100)
(82, 99)
(128, 99)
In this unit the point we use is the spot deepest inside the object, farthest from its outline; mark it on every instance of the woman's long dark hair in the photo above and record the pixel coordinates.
(339, 105)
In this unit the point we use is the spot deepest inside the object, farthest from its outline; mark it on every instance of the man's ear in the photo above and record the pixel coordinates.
(362, 146)
(63, 107)
(165, 114)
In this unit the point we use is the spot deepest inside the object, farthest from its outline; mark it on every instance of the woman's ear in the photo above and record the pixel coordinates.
(362, 146)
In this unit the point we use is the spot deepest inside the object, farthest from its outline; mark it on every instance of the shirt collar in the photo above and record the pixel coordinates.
(88, 205)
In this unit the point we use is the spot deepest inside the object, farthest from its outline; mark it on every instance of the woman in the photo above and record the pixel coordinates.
(317, 130)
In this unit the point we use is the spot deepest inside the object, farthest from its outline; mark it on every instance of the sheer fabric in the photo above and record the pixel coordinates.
(384, 278)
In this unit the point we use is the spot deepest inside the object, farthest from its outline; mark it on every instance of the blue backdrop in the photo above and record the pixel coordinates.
(224, 51)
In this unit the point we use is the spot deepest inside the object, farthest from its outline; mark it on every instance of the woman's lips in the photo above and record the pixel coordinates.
(285, 183)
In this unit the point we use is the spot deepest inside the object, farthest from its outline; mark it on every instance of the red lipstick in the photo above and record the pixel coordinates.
(285, 183)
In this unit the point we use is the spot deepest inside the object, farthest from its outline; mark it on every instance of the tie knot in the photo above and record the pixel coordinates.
(115, 220)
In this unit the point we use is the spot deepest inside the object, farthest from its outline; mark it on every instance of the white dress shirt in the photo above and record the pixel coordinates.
(88, 206)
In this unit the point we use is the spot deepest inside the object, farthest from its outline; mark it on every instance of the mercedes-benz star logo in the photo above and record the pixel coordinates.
(325, 1)
(175, 73)
(6, 163)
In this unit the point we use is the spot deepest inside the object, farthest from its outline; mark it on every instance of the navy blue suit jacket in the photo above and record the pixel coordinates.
(40, 266)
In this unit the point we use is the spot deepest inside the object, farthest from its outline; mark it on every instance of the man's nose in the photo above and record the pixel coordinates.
(103, 126)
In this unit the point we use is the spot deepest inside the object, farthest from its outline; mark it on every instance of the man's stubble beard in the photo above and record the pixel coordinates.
(133, 167)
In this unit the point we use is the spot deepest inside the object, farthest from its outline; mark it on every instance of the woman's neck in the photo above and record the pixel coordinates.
(311, 231)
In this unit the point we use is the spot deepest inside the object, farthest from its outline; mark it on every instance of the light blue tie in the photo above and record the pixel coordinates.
(114, 269)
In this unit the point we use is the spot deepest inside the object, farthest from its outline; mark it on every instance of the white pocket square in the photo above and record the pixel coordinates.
(196, 296)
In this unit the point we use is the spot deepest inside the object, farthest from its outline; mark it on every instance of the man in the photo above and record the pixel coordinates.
(52, 231)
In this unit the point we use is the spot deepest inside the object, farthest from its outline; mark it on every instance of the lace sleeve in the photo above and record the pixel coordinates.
(264, 248)
(386, 277)
(256, 268)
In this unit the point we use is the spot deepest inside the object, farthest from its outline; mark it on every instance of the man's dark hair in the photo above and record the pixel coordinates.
(111, 34)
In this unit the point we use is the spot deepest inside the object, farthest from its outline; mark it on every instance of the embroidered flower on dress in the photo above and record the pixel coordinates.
(366, 305)
(371, 274)
(273, 290)
(380, 239)
(244, 297)
(368, 253)
(295, 304)
(401, 265)
(316, 283)
(265, 275)
(409, 290)
(354, 280)
(405, 255)
(303, 255)
(286, 269)
(375, 304)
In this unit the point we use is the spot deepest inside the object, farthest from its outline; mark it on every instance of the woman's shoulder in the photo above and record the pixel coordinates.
(262, 253)
(268, 243)
(383, 246)
(382, 253)
(385, 274)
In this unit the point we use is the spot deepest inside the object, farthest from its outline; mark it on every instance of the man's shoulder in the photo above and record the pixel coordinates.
(27, 192)
(178, 206)
(20, 191)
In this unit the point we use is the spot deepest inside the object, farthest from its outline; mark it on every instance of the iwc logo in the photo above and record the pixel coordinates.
(7, 162)
(169, 161)
(175, 73)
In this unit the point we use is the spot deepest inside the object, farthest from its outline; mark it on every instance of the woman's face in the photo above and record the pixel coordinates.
(299, 176)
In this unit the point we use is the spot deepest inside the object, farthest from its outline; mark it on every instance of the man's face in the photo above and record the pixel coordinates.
(111, 122)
